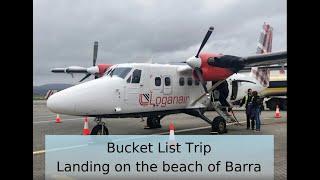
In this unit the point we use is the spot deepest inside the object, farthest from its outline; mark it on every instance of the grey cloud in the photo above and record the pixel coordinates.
(137, 30)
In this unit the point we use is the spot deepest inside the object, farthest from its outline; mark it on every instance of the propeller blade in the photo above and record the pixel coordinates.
(58, 70)
(85, 77)
(197, 70)
(205, 40)
(183, 62)
(95, 52)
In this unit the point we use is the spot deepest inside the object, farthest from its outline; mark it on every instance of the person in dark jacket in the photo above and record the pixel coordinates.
(246, 100)
(223, 93)
(256, 109)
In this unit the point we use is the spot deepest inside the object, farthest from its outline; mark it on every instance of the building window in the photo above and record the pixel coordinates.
(157, 81)
(167, 81)
(181, 81)
(189, 81)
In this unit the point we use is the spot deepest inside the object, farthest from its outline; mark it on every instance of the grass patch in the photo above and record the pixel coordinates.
(38, 97)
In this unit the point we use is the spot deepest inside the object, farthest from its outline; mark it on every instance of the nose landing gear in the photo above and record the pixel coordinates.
(100, 128)
(153, 122)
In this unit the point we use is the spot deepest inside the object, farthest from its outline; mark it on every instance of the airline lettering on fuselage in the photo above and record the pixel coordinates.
(148, 100)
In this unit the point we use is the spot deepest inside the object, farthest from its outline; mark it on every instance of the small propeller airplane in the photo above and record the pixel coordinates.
(152, 90)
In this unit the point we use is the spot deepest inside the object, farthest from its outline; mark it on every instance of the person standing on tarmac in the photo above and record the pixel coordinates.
(246, 100)
(256, 108)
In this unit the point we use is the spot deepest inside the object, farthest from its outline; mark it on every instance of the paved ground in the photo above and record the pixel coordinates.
(44, 124)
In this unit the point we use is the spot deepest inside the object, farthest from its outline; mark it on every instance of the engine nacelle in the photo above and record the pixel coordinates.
(93, 70)
(98, 70)
(212, 73)
(103, 68)
(75, 69)
(215, 73)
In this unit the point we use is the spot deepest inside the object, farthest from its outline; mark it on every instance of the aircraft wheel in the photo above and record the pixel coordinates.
(100, 130)
(153, 122)
(219, 125)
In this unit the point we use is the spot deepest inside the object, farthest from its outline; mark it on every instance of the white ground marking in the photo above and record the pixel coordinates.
(42, 116)
(177, 131)
(52, 121)
(198, 128)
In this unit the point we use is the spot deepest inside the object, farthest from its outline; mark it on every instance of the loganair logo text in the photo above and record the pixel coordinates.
(163, 101)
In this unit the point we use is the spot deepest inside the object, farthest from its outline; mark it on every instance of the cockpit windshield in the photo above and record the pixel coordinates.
(120, 72)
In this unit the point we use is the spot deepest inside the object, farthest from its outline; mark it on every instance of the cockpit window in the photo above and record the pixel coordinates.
(108, 71)
(136, 76)
(120, 72)
(129, 80)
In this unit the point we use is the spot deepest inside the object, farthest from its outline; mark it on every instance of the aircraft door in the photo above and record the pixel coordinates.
(234, 90)
(167, 85)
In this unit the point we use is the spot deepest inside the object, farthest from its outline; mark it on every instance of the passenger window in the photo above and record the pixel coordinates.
(196, 82)
(136, 76)
(129, 80)
(189, 81)
(181, 81)
(167, 81)
(157, 81)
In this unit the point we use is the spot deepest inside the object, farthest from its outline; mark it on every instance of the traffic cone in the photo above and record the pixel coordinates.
(172, 139)
(86, 130)
(58, 120)
(277, 115)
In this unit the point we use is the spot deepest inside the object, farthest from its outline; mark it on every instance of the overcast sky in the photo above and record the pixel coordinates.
(140, 30)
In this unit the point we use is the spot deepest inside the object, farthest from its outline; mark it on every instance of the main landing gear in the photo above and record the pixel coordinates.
(218, 124)
(100, 128)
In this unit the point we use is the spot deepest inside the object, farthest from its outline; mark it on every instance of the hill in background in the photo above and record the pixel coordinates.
(43, 89)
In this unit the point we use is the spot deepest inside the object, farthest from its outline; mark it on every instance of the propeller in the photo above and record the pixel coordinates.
(95, 54)
(199, 75)
(85, 77)
(204, 41)
(195, 62)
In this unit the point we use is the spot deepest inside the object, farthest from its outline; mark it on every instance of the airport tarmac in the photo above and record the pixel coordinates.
(44, 124)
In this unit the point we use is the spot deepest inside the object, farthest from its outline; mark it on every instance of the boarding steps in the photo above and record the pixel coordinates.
(218, 108)
(228, 117)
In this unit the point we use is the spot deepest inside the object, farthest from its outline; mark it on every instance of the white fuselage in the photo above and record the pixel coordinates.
(160, 88)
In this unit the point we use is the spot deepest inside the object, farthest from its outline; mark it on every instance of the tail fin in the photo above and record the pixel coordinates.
(265, 40)
(264, 46)
(262, 75)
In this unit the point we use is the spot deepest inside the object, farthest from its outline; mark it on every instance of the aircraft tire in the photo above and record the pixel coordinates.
(97, 130)
(219, 125)
(153, 122)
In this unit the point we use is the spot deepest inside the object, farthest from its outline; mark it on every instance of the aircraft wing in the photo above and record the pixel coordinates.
(71, 69)
(237, 63)
(96, 71)
(266, 59)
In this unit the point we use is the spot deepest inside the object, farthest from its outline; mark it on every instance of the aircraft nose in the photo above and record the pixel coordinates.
(90, 98)
(58, 103)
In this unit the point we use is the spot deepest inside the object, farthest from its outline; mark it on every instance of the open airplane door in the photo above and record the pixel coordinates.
(234, 90)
